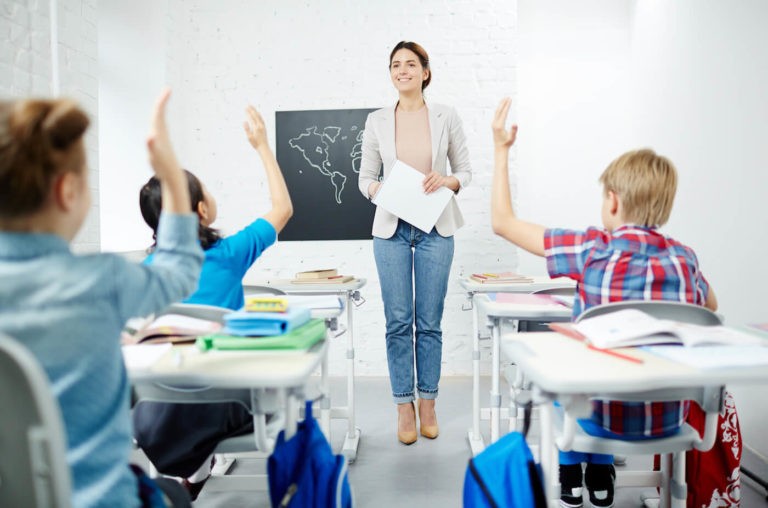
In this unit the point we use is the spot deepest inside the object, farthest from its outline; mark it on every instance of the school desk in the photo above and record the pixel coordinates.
(350, 293)
(566, 370)
(284, 372)
(499, 311)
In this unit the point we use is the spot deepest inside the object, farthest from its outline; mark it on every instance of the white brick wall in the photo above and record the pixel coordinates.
(328, 55)
(26, 70)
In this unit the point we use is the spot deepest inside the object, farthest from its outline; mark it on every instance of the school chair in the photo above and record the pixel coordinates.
(671, 478)
(33, 467)
(264, 405)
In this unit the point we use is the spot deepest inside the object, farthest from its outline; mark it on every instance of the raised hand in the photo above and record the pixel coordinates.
(255, 128)
(501, 137)
(161, 154)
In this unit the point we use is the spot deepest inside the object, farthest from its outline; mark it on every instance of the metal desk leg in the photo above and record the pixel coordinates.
(474, 435)
(548, 454)
(495, 365)
(352, 439)
(325, 396)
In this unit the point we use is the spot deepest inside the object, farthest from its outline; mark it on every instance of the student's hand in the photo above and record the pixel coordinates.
(501, 137)
(255, 128)
(161, 154)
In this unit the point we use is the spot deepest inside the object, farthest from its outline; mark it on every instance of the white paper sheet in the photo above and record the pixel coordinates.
(402, 195)
(143, 356)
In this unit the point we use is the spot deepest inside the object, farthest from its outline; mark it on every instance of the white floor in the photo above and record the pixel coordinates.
(427, 474)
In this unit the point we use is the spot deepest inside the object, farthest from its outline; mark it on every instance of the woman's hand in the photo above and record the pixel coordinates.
(255, 128)
(434, 181)
(373, 189)
(161, 154)
(503, 139)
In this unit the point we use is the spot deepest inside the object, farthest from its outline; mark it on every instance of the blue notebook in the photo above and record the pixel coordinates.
(265, 323)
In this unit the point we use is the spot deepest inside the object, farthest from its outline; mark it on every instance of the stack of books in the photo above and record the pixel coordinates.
(500, 278)
(324, 276)
(266, 323)
(172, 328)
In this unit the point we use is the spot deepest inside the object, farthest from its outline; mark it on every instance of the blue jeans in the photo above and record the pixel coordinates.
(413, 271)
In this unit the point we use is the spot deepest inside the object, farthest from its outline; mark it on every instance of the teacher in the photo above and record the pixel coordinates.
(413, 266)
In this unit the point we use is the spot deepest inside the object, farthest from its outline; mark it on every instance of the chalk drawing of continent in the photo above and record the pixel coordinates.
(314, 146)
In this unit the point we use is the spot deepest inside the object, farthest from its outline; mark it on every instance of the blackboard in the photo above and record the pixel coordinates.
(319, 153)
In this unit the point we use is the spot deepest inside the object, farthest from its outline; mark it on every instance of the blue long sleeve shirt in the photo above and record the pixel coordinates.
(69, 311)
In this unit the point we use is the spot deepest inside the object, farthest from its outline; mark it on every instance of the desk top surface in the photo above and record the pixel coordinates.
(292, 288)
(559, 364)
(232, 369)
(532, 311)
(517, 287)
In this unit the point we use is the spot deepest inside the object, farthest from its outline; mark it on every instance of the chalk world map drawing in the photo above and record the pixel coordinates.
(320, 153)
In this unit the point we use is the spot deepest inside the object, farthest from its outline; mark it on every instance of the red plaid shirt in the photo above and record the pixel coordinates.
(630, 263)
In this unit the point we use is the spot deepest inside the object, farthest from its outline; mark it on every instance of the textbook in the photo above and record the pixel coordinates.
(246, 323)
(335, 279)
(631, 327)
(499, 278)
(317, 274)
(300, 338)
(174, 328)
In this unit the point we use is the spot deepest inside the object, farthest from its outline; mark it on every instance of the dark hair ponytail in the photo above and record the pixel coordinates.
(151, 203)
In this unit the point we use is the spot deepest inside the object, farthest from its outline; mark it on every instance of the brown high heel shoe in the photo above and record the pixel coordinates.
(428, 431)
(407, 436)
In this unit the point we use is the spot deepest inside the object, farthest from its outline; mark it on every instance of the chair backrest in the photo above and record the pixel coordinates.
(262, 290)
(208, 312)
(33, 467)
(677, 311)
(557, 291)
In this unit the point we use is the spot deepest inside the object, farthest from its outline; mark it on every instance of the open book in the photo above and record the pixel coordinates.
(174, 328)
(631, 327)
(500, 278)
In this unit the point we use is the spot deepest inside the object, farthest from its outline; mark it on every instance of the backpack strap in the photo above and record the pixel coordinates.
(482, 485)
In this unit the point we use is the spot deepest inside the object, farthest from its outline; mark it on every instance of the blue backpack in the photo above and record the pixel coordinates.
(504, 475)
(303, 472)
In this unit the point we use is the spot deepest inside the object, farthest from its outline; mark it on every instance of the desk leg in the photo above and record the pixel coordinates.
(325, 396)
(495, 394)
(547, 453)
(475, 437)
(352, 439)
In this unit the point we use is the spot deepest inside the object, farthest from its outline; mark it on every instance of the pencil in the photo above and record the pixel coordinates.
(611, 352)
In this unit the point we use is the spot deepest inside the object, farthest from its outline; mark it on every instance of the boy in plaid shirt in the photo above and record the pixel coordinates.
(627, 260)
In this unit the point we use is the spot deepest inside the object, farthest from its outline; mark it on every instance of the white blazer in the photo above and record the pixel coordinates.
(448, 144)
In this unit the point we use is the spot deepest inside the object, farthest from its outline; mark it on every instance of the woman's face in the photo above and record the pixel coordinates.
(406, 71)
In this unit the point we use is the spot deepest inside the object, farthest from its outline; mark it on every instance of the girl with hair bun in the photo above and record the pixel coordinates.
(69, 310)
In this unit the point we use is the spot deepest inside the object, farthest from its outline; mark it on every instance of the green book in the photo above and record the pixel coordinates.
(299, 338)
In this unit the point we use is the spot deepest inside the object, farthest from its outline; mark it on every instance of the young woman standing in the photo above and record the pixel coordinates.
(413, 265)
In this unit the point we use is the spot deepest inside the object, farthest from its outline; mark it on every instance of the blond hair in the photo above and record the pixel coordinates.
(646, 183)
(39, 138)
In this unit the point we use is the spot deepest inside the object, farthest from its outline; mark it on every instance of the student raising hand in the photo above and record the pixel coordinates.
(503, 139)
(163, 160)
(282, 208)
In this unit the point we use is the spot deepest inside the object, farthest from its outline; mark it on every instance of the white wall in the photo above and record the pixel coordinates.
(132, 71)
(687, 78)
(27, 68)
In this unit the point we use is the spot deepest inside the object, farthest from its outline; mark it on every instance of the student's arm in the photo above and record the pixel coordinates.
(370, 162)
(178, 258)
(163, 160)
(503, 220)
(282, 208)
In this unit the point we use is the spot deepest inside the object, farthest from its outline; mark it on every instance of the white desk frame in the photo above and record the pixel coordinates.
(563, 369)
(352, 298)
(498, 313)
(473, 289)
(286, 372)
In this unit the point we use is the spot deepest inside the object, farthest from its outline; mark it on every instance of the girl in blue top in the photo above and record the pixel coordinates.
(179, 438)
(69, 310)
